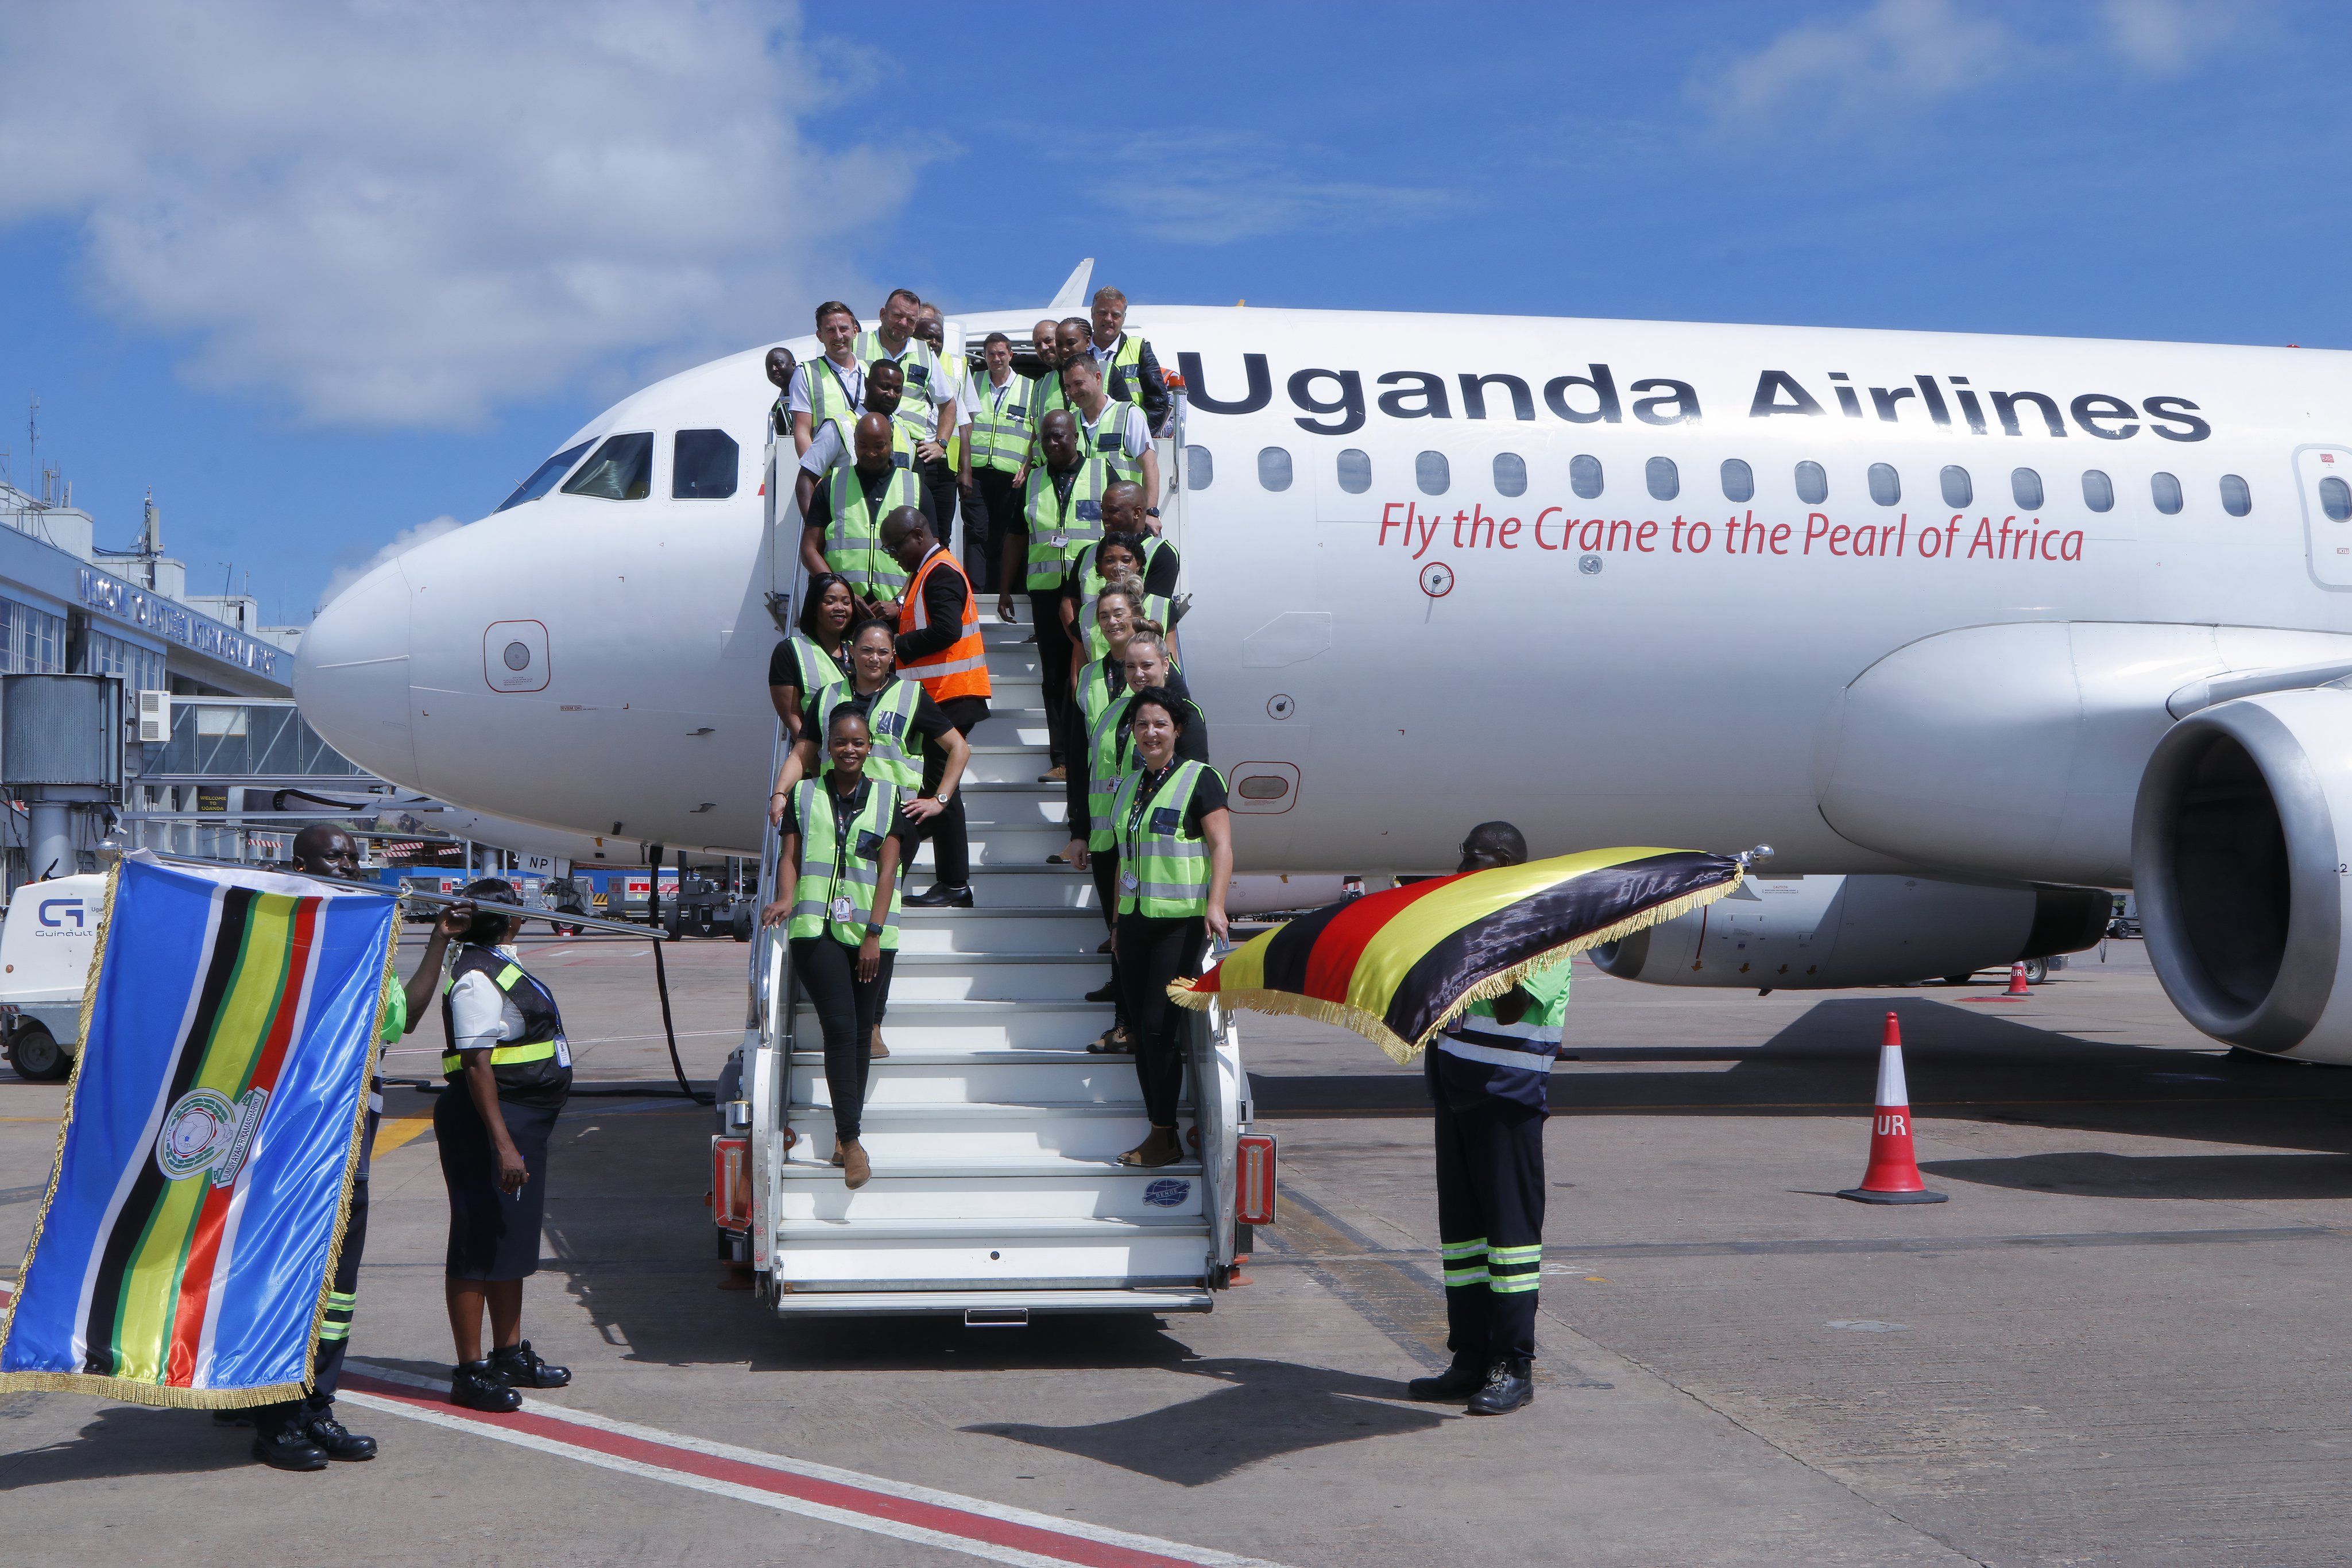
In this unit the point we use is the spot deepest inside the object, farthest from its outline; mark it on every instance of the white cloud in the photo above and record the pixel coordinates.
(1213, 187)
(403, 213)
(2167, 37)
(1898, 55)
(400, 543)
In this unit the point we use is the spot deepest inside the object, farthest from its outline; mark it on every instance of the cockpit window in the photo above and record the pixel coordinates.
(542, 479)
(622, 470)
(702, 464)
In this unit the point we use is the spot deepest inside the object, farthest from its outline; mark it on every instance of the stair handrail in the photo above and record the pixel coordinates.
(774, 983)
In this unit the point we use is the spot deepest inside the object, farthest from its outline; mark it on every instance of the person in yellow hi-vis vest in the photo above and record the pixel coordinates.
(845, 835)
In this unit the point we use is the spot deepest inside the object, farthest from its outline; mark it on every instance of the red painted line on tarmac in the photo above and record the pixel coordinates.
(784, 1483)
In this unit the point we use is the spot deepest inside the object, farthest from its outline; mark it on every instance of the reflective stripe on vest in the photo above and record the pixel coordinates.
(831, 399)
(1107, 759)
(853, 535)
(1000, 422)
(514, 1053)
(890, 719)
(819, 669)
(1104, 439)
(902, 441)
(1048, 394)
(959, 669)
(1122, 374)
(927, 383)
(1058, 530)
(823, 854)
(1170, 871)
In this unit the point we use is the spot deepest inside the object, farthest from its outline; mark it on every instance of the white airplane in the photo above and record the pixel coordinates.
(1978, 622)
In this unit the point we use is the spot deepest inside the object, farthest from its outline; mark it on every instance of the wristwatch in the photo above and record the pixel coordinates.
(1150, 511)
(875, 929)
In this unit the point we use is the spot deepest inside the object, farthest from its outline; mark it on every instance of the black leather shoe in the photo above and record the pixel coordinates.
(518, 1366)
(939, 895)
(1507, 1389)
(1459, 1381)
(289, 1450)
(476, 1386)
(337, 1443)
(1105, 992)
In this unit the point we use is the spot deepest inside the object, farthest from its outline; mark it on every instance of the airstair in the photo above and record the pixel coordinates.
(994, 1136)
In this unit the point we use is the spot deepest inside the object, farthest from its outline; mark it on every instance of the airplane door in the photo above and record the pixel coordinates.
(2323, 479)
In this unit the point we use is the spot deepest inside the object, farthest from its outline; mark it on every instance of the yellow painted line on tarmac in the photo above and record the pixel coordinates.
(398, 1130)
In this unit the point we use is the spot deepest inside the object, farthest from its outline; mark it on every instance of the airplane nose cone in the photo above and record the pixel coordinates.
(351, 674)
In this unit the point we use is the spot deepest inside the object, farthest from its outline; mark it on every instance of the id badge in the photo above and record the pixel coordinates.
(562, 1051)
(1129, 882)
(842, 910)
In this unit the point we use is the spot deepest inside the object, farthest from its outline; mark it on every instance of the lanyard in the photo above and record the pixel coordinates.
(1147, 785)
(841, 837)
(857, 398)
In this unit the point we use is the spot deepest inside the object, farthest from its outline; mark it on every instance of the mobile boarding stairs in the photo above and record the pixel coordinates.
(996, 1192)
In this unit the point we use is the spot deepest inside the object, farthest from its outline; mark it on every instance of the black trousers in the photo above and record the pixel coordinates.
(846, 1010)
(1104, 863)
(983, 533)
(938, 502)
(1490, 1214)
(951, 840)
(1054, 650)
(335, 1337)
(1151, 953)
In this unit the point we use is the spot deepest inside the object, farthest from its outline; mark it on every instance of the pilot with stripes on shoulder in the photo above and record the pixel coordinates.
(1489, 1072)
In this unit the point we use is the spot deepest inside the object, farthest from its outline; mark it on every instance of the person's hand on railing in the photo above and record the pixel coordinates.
(776, 808)
(776, 914)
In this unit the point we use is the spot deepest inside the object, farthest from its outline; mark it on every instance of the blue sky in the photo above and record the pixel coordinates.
(319, 275)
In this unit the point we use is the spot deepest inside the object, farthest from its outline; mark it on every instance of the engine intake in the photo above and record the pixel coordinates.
(2240, 866)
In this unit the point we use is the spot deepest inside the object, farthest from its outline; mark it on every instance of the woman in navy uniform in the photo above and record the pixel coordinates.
(509, 1071)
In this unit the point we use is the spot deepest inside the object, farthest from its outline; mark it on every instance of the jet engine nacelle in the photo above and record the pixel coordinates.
(2241, 868)
(1818, 932)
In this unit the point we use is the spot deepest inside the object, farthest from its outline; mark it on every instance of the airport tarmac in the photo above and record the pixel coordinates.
(2117, 1344)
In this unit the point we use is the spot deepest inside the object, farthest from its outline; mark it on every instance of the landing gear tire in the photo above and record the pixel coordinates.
(1959, 979)
(2036, 971)
(33, 1052)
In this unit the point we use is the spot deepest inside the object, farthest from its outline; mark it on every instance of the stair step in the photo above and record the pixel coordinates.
(972, 1025)
(966, 1135)
(993, 763)
(894, 1083)
(1024, 1302)
(1059, 930)
(994, 977)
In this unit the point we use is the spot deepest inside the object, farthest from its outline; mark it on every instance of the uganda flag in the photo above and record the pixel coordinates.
(184, 1249)
(1399, 965)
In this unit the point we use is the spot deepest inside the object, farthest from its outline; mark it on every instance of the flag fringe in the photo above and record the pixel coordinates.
(352, 1158)
(162, 1396)
(1402, 1052)
(65, 1117)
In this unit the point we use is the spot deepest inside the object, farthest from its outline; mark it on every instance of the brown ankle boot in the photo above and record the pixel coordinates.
(874, 1049)
(1159, 1147)
(856, 1170)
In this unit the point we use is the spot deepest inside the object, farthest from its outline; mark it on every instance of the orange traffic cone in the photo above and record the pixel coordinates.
(1894, 1172)
(2017, 982)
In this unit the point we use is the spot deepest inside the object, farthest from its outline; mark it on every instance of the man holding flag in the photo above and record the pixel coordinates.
(1489, 1072)
(303, 1434)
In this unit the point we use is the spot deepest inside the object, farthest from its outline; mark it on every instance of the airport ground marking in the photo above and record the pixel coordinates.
(997, 1532)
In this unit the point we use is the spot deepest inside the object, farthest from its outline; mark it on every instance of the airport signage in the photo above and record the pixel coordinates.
(154, 612)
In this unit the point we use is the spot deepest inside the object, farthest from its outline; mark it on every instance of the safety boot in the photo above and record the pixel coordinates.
(856, 1170)
(475, 1386)
(290, 1449)
(518, 1366)
(1508, 1387)
(338, 1442)
(1459, 1381)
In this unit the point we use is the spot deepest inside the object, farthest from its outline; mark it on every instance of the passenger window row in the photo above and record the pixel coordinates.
(1433, 475)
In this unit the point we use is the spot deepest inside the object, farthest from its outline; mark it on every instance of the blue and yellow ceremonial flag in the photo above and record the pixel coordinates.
(1397, 966)
(185, 1249)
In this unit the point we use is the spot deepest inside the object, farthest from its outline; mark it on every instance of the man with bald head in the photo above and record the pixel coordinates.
(1060, 503)
(303, 1434)
(861, 493)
